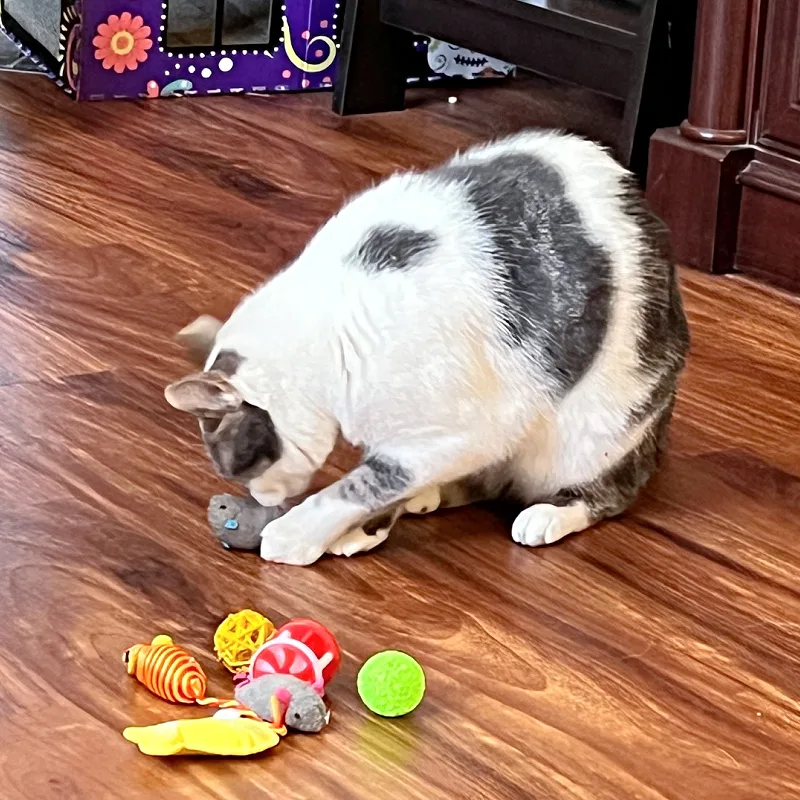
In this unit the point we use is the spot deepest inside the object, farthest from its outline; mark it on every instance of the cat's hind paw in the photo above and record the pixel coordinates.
(544, 523)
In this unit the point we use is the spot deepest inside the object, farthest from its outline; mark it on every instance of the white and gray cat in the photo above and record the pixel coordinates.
(507, 324)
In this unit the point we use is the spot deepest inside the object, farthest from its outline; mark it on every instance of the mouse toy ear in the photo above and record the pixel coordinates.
(279, 703)
(198, 338)
(204, 394)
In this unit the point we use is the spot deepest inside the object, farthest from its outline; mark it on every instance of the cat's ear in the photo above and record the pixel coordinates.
(198, 337)
(204, 394)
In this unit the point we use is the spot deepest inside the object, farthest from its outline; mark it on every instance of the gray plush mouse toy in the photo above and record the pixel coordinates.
(238, 521)
(300, 705)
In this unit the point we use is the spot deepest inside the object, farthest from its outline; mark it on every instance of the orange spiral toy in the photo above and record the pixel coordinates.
(168, 671)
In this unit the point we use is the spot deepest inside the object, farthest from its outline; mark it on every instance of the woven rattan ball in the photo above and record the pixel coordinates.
(239, 635)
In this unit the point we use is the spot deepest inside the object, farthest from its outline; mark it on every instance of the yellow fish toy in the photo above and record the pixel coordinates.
(230, 732)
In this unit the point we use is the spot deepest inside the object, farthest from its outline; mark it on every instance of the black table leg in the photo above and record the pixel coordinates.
(659, 93)
(373, 60)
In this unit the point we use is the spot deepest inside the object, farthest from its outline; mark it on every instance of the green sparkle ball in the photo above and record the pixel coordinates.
(391, 683)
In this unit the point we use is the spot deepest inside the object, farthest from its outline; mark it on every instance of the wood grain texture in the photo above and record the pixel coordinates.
(655, 657)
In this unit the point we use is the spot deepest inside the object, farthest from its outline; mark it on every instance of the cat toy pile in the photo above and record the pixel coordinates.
(279, 675)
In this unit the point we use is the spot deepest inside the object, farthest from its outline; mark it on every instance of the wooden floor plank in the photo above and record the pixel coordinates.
(655, 657)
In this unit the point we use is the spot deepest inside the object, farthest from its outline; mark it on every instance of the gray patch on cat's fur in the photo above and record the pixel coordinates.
(614, 491)
(555, 282)
(664, 335)
(243, 443)
(375, 483)
(493, 483)
(393, 247)
(663, 340)
(661, 395)
(227, 362)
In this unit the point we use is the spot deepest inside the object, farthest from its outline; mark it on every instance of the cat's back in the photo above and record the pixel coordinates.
(539, 243)
(583, 272)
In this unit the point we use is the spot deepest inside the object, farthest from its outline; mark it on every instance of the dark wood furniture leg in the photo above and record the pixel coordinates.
(692, 180)
(648, 67)
(531, 35)
(372, 62)
(631, 120)
(662, 71)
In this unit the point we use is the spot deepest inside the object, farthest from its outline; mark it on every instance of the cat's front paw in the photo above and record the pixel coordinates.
(285, 542)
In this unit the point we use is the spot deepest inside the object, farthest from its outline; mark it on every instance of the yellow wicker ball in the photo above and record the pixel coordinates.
(239, 635)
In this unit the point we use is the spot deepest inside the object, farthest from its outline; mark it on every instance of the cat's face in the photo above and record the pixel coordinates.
(241, 439)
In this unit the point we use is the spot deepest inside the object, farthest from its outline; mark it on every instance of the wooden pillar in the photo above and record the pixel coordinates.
(692, 179)
(719, 79)
(373, 62)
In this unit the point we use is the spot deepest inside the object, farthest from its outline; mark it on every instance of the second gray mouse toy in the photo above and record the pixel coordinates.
(302, 707)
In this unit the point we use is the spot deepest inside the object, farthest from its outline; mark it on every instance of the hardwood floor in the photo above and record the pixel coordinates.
(656, 657)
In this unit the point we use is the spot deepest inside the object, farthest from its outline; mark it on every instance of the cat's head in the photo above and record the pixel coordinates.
(241, 438)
